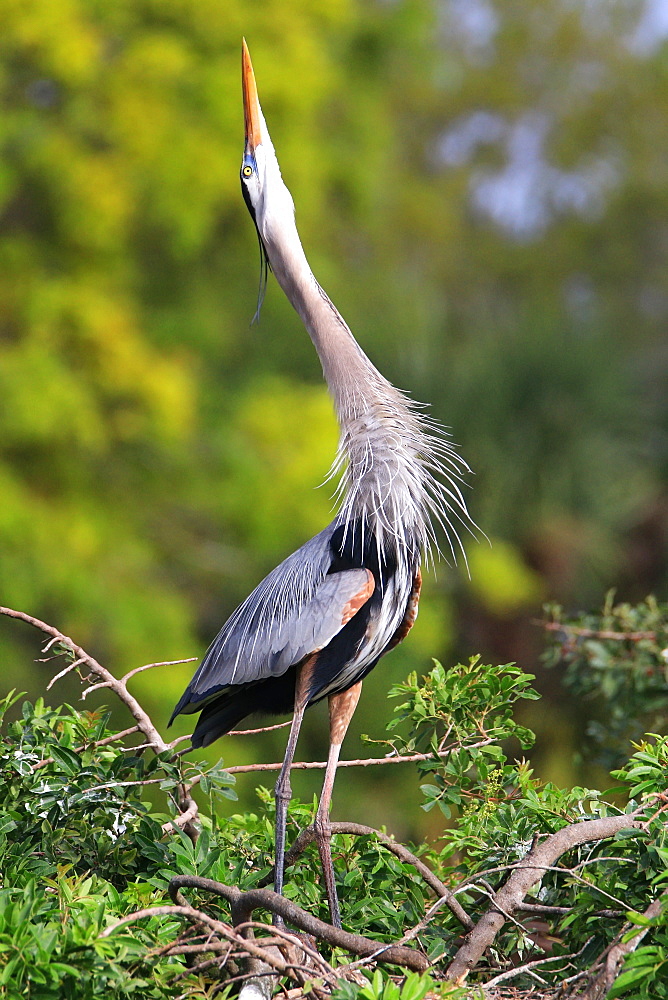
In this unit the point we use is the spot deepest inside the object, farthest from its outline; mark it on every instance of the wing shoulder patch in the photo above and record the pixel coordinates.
(353, 605)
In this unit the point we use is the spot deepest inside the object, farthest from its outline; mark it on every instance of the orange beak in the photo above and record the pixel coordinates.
(251, 102)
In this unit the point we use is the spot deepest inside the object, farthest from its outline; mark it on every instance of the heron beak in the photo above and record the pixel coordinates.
(252, 114)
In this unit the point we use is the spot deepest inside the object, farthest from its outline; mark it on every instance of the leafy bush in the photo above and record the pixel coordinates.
(112, 874)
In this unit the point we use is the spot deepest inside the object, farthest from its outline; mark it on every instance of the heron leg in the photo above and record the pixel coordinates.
(282, 795)
(341, 709)
(283, 789)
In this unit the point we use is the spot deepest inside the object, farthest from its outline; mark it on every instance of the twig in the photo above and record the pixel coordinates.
(558, 911)
(184, 818)
(524, 865)
(95, 687)
(519, 970)
(143, 721)
(156, 911)
(320, 765)
(548, 911)
(124, 784)
(409, 935)
(281, 936)
(196, 916)
(89, 746)
(149, 666)
(591, 633)
(63, 672)
(262, 729)
(181, 739)
(539, 859)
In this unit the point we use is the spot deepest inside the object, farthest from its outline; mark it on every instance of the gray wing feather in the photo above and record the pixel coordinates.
(296, 610)
(318, 621)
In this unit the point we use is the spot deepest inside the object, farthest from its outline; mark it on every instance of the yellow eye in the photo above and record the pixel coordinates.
(246, 171)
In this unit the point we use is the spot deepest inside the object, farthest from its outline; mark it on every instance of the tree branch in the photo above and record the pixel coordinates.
(519, 970)
(591, 633)
(244, 903)
(529, 871)
(198, 917)
(119, 687)
(141, 717)
(618, 952)
(189, 814)
(320, 765)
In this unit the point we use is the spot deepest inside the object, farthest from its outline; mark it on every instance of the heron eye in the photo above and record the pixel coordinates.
(246, 170)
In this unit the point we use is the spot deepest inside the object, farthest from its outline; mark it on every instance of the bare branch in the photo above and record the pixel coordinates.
(409, 935)
(149, 666)
(89, 746)
(245, 902)
(153, 911)
(519, 970)
(320, 765)
(63, 672)
(125, 784)
(144, 723)
(591, 633)
(262, 729)
(184, 818)
(539, 859)
(197, 917)
(268, 956)
(181, 739)
(95, 687)
(558, 911)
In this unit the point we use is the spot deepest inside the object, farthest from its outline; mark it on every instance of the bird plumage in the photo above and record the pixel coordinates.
(399, 477)
(320, 621)
(299, 609)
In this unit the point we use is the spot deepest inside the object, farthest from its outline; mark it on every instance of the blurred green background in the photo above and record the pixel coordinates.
(481, 187)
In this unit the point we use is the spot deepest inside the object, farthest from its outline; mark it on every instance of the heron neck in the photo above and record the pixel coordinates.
(383, 483)
(349, 373)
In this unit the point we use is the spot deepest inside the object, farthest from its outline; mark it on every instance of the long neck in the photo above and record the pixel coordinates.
(349, 373)
(383, 479)
(386, 452)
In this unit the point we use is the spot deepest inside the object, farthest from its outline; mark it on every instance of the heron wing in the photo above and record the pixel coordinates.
(334, 602)
(295, 611)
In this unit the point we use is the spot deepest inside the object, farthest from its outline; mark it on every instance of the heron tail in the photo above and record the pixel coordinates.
(220, 716)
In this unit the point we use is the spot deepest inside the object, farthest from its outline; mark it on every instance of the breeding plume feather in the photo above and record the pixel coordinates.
(320, 621)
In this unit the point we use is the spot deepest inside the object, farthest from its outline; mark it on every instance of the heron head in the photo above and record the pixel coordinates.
(268, 199)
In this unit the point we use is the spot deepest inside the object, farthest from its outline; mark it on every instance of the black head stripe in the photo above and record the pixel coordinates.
(247, 199)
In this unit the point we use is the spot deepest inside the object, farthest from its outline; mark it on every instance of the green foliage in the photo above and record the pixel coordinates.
(87, 837)
(77, 849)
(462, 714)
(50, 944)
(413, 987)
(617, 660)
(644, 975)
(157, 457)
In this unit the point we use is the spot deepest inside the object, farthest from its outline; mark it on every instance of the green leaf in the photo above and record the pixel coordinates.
(67, 758)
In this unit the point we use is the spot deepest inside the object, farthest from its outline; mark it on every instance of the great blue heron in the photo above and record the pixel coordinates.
(319, 622)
